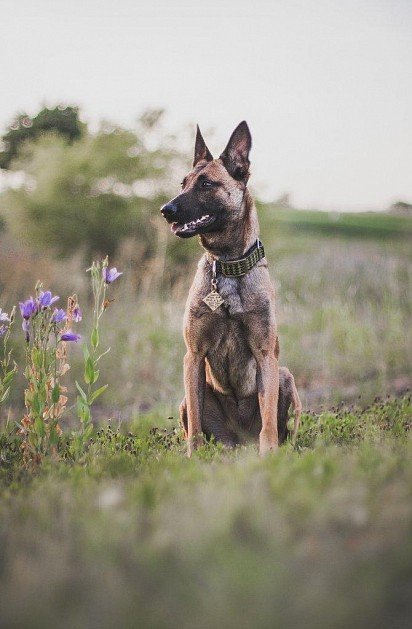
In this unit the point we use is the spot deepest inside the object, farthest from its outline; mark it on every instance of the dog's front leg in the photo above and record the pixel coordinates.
(268, 393)
(195, 381)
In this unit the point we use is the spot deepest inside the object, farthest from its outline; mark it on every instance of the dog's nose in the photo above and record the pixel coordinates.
(169, 210)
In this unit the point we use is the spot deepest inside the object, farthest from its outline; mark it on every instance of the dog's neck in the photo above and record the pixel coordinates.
(238, 237)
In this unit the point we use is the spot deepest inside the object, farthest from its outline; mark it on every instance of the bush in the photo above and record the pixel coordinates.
(91, 195)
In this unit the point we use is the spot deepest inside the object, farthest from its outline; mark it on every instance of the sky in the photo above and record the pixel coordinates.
(325, 85)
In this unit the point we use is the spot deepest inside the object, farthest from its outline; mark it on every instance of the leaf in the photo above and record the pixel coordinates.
(86, 352)
(39, 427)
(88, 432)
(80, 405)
(89, 374)
(86, 415)
(55, 393)
(82, 393)
(83, 411)
(101, 356)
(54, 437)
(8, 377)
(95, 338)
(37, 405)
(6, 395)
(97, 393)
(37, 358)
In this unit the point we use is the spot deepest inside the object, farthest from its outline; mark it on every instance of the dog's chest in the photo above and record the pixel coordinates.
(232, 366)
(230, 291)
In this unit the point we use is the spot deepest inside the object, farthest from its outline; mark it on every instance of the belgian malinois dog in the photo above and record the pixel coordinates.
(234, 388)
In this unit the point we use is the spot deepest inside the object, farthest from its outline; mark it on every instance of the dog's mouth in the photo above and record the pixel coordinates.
(191, 228)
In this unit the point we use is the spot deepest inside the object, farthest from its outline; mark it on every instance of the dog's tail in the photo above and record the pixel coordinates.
(288, 397)
(297, 409)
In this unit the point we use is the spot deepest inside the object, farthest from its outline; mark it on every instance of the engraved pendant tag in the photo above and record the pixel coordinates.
(213, 300)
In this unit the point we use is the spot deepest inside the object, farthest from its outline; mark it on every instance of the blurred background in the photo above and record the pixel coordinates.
(97, 122)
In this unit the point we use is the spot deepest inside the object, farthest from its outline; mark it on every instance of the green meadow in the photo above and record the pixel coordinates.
(134, 534)
(125, 531)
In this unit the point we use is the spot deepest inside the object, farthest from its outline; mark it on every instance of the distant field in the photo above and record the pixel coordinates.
(362, 224)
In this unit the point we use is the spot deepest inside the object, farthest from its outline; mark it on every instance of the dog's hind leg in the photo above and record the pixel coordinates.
(218, 408)
(249, 413)
(215, 419)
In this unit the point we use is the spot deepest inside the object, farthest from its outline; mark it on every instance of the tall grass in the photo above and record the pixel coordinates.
(343, 306)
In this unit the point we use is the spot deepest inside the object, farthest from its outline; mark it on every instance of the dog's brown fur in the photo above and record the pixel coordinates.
(234, 388)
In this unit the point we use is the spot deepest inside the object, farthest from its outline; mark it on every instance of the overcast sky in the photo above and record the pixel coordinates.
(325, 85)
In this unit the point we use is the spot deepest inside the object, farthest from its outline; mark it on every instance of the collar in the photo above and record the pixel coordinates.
(242, 266)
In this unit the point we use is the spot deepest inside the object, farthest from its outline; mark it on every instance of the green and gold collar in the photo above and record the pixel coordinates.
(242, 266)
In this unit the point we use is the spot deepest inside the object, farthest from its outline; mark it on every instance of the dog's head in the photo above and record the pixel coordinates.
(213, 191)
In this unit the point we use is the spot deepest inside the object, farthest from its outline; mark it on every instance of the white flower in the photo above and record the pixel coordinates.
(4, 316)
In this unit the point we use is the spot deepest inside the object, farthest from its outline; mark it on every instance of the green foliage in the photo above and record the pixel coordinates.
(226, 539)
(64, 121)
(46, 364)
(91, 195)
(47, 331)
(8, 367)
(85, 399)
(352, 425)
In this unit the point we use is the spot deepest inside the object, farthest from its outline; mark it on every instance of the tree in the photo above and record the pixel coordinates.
(64, 121)
(90, 195)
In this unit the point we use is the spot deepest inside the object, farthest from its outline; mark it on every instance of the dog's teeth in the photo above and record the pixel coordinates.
(194, 223)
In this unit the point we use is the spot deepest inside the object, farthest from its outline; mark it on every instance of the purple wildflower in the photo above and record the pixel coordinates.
(3, 330)
(69, 336)
(28, 308)
(46, 299)
(110, 275)
(59, 315)
(4, 316)
(77, 314)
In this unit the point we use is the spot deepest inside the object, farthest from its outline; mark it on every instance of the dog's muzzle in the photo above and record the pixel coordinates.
(169, 211)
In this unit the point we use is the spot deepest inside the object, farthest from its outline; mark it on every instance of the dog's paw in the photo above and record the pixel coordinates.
(267, 443)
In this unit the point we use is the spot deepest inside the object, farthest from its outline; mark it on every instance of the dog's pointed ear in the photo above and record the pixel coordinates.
(201, 150)
(235, 157)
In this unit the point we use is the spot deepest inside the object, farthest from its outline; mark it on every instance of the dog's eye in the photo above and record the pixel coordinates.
(183, 183)
(207, 184)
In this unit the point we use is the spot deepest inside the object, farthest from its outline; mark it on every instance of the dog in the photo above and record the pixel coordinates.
(234, 388)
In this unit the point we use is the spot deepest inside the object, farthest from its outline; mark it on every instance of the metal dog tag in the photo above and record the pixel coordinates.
(213, 300)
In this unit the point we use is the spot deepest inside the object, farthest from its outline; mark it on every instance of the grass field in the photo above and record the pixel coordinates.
(360, 224)
(134, 534)
(344, 309)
